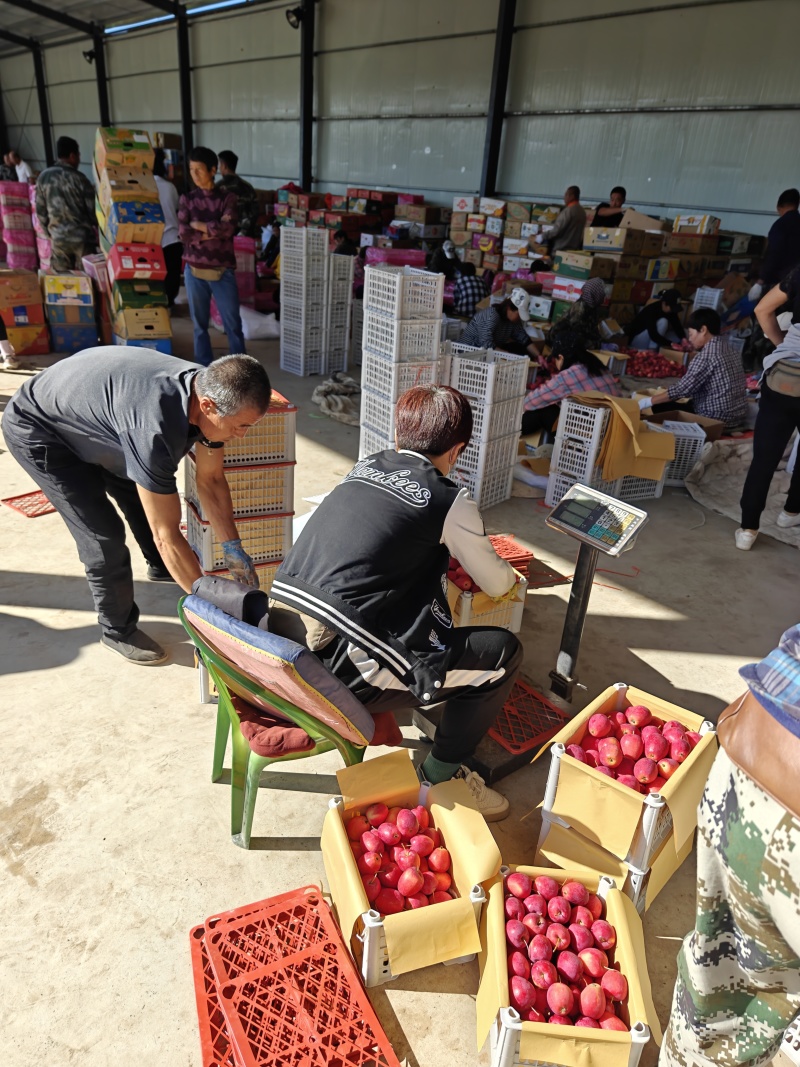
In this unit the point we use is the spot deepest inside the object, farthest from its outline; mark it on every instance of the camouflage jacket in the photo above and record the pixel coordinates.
(65, 204)
(7, 173)
(247, 202)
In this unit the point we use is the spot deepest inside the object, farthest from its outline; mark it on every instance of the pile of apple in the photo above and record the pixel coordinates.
(649, 364)
(635, 747)
(458, 576)
(401, 858)
(560, 954)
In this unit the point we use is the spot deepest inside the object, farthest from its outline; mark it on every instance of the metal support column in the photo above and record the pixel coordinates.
(44, 107)
(102, 79)
(306, 93)
(185, 81)
(497, 95)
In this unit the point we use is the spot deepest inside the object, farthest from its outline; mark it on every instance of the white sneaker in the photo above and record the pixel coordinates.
(492, 805)
(785, 520)
(745, 539)
(10, 363)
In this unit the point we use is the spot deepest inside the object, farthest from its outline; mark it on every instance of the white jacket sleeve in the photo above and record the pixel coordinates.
(465, 536)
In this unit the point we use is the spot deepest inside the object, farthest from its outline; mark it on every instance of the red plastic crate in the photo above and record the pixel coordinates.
(31, 505)
(527, 720)
(289, 991)
(516, 554)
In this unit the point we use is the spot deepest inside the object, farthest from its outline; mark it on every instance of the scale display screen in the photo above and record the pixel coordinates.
(598, 520)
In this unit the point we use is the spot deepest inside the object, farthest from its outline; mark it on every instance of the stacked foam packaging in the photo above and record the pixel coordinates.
(42, 243)
(259, 469)
(316, 301)
(22, 312)
(18, 234)
(131, 227)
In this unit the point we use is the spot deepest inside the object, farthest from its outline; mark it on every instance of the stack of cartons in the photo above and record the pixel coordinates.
(131, 227)
(571, 272)
(401, 340)
(18, 233)
(500, 235)
(70, 309)
(22, 312)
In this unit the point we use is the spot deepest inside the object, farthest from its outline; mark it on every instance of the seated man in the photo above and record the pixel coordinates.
(469, 290)
(443, 260)
(714, 381)
(369, 597)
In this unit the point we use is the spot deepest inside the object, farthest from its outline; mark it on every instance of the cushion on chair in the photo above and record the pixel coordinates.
(268, 735)
(281, 667)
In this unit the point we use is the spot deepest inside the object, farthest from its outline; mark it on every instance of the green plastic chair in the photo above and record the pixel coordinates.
(275, 675)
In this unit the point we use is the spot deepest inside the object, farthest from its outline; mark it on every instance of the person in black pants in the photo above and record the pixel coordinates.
(170, 244)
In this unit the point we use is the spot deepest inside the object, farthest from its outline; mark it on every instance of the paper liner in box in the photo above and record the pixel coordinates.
(414, 939)
(615, 807)
(539, 1042)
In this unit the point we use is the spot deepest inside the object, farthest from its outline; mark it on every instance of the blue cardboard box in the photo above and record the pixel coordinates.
(156, 344)
(71, 339)
(134, 222)
(70, 314)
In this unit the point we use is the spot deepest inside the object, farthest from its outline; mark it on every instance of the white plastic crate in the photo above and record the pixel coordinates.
(340, 272)
(302, 267)
(452, 329)
(295, 335)
(790, 1045)
(497, 420)
(335, 359)
(689, 441)
(303, 316)
(303, 360)
(304, 241)
(377, 411)
(574, 457)
(303, 291)
(402, 340)
(403, 292)
(338, 337)
(484, 457)
(271, 440)
(381, 375)
(632, 488)
(487, 489)
(255, 490)
(358, 331)
(507, 615)
(485, 375)
(264, 538)
(708, 297)
(581, 422)
(558, 484)
(371, 441)
(338, 315)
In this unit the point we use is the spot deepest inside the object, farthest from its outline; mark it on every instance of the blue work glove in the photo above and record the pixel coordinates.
(239, 563)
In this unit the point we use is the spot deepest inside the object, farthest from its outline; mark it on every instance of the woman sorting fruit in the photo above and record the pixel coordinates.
(657, 325)
(574, 368)
(365, 588)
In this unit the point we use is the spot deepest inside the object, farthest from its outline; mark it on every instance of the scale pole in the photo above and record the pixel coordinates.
(564, 676)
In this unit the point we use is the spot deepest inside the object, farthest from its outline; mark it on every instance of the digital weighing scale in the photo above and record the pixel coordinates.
(601, 523)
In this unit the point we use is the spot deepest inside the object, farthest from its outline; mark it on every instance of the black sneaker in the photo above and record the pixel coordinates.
(137, 648)
(158, 574)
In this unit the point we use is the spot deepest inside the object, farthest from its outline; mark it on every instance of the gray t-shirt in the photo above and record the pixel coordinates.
(122, 408)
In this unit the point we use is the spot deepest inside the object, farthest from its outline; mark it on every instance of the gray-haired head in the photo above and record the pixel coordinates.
(234, 383)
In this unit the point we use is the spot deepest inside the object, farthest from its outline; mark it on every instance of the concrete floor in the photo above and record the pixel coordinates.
(115, 843)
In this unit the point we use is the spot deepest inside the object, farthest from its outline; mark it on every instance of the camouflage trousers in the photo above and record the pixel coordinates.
(738, 985)
(67, 255)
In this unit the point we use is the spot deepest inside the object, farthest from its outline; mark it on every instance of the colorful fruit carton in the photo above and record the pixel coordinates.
(446, 932)
(624, 822)
(513, 1040)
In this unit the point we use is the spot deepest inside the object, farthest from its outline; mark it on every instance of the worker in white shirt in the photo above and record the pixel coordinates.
(24, 172)
(170, 242)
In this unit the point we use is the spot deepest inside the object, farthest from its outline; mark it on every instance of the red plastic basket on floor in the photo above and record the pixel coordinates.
(513, 552)
(215, 1043)
(31, 505)
(288, 990)
(527, 720)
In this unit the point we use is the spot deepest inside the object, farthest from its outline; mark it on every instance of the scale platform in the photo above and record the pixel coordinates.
(597, 520)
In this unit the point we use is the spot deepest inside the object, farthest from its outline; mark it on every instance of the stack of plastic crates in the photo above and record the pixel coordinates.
(357, 332)
(339, 305)
(400, 345)
(259, 469)
(581, 429)
(494, 383)
(275, 984)
(689, 441)
(305, 261)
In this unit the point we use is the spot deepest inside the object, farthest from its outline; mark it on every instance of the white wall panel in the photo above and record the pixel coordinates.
(21, 107)
(345, 23)
(269, 152)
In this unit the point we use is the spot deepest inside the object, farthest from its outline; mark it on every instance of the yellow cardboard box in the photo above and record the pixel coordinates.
(141, 323)
(116, 146)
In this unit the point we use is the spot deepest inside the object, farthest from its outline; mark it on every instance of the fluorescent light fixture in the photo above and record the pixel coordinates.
(216, 7)
(110, 30)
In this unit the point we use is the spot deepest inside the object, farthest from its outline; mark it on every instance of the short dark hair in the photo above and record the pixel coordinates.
(432, 419)
(66, 146)
(204, 156)
(339, 235)
(233, 383)
(789, 198)
(159, 163)
(230, 159)
(575, 190)
(620, 189)
(705, 317)
(467, 268)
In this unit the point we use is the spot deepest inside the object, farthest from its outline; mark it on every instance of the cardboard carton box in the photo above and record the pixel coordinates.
(423, 937)
(461, 238)
(631, 268)
(357, 204)
(19, 288)
(512, 263)
(518, 210)
(338, 203)
(134, 222)
(71, 339)
(142, 323)
(540, 308)
(642, 292)
(513, 246)
(486, 242)
(733, 244)
(652, 244)
(695, 224)
(410, 198)
(467, 204)
(71, 314)
(573, 264)
(124, 184)
(282, 210)
(568, 289)
(495, 226)
(126, 262)
(156, 344)
(530, 229)
(138, 294)
(458, 220)
(473, 255)
(171, 141)
(292, 201)
(72, 288)
(307, 201)
(734, 286)
(663, 270)
(22, 315)
(700, 244)
(623, 311)
(513, 228)
(432, 231)
(714, 428)
(492, 261)
(635, 220)
(488, 206)
(424, 213)
(476, 223)
(115, 146)
(603, 240)
(30, 340)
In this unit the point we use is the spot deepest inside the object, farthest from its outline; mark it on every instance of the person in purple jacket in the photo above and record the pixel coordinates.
(207, 224)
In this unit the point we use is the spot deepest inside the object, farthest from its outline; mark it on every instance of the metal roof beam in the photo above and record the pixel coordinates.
(14, 38)
(170, 6)
(34, 8)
